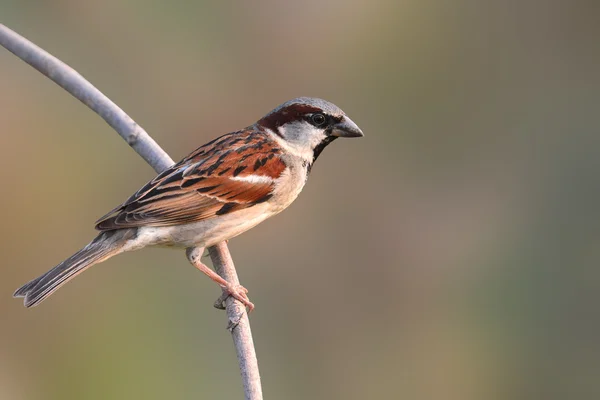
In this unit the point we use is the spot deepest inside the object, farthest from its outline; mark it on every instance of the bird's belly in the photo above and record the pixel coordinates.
(223, 227)
(208, 232)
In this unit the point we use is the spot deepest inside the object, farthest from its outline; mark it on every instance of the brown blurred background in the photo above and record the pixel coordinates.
(450, 254)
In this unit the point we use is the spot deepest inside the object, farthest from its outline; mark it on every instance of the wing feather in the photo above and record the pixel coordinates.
(233, 172)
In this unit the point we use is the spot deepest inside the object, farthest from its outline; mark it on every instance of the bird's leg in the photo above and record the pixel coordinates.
(238, 292)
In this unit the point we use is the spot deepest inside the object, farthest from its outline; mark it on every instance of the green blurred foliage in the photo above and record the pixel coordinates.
(450, 254)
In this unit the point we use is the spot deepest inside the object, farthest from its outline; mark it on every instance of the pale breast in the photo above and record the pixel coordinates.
(289, 185)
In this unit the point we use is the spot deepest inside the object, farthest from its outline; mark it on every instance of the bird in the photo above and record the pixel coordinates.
(220, 190)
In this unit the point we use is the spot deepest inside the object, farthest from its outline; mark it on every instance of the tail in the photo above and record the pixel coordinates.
(104, 246)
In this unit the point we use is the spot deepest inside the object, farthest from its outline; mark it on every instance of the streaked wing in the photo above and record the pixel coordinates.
(233, 172)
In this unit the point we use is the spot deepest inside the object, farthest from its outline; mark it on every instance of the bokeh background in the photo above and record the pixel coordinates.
(452, 253)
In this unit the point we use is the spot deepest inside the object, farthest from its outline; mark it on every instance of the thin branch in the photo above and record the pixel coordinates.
(70, 80)
(238, 325)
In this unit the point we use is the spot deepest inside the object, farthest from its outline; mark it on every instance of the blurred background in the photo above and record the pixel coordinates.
(450, 254)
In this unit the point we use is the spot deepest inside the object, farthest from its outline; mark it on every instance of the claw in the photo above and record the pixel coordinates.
(238, 292)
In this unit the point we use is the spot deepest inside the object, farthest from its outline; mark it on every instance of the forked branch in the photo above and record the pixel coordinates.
(70, 80)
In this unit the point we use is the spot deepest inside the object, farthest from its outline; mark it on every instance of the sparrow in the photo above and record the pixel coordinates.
(219, 191)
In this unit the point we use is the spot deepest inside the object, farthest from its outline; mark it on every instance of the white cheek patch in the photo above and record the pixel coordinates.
(253, 179)
(300, 138)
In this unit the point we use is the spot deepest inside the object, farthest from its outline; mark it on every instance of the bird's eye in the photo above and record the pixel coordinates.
(318, 119)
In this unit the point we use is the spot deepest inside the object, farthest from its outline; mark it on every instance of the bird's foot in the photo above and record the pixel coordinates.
(238, 292)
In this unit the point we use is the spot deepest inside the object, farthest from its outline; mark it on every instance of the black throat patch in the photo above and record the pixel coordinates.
(317, 151)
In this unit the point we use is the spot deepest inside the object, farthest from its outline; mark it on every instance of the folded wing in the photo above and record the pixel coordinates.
(233, 172)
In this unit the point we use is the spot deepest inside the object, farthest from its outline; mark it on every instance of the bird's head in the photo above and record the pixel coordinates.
(306, 125)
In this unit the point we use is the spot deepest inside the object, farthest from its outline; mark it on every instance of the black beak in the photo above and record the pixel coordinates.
(346, 128)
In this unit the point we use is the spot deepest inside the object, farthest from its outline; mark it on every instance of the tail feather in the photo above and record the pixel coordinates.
(22, 291)
(104, 246)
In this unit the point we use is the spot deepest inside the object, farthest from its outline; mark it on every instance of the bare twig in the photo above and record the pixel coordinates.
(239, 325)
(150, 151)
